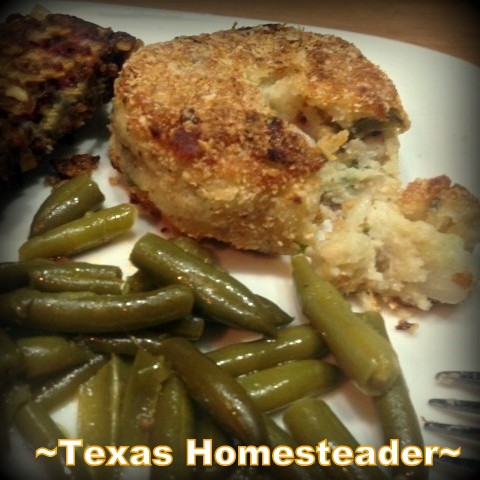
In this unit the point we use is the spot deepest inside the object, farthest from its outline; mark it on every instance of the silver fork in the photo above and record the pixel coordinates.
(466, 432)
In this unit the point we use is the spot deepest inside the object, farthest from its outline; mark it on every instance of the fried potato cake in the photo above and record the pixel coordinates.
(225, 133)
(276, 139)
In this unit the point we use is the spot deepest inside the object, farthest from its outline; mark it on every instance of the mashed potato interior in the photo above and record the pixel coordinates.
(367, 243)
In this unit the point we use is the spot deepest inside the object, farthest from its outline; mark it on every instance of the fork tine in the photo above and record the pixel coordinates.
(464, 406)
(456, 377)
(461, 431)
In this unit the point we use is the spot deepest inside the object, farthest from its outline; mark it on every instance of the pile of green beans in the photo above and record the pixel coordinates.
(71, 328)
(218, 295)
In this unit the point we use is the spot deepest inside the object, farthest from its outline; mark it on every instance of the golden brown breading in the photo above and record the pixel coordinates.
(55, 71)
(450, 208)
(225, 133)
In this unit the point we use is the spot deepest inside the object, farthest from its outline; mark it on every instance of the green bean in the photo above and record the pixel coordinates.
(218, 295)
(278, 316)
(397, 413)
(96, 424)
(90, 231)
(12, 398)
(278, 386)
(363, 354)
(14, 275)
(39, 430)
(191, 327)
(18, 394)
(43, 267)
(63, 386)
(139, 282)
(206, 428)
(141, 394)
(67, 202)
(11, 360)
(216, 391)
(80, 312)
(75, 283)
(125, 343)
(311, 420)
(47, 355)
(293, 343)
(277, 437)
(173, 425)
(193, 247)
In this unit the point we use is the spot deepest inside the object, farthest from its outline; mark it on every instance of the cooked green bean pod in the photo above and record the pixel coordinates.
(47, 355)
(397, 413)
(48, 268)
(206, 428)
(173, 425)
(12, 397)
(191, 327)
(216, 391)
(96, 424)
(76, 283)
(310, 421)
(278, 386)
(18, 394)
(139, 282)
(14, 275)
(277, 437)
(363, 354)
(85, 312)
(39, 430)
(142, 390)
(218, 295)
(90, 231)
(67, 202)
(11, 360)
(125, 343)
(278, 316)
(193, 247)
(63, 386)
(292, 343)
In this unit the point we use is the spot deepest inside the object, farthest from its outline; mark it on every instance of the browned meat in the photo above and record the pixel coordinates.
(55, 71)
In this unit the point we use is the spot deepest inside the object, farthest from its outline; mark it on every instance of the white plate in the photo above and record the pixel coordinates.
(441, 95)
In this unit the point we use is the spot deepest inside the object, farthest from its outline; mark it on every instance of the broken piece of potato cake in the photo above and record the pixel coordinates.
(55, 71)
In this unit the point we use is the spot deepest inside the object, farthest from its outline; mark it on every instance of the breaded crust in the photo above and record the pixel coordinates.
(448, 206)
(225, 133)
